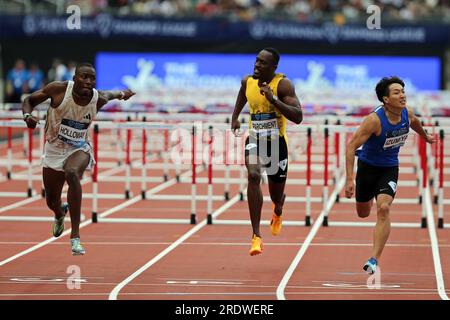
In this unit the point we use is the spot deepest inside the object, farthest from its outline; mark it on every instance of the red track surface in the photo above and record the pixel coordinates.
(213, 261)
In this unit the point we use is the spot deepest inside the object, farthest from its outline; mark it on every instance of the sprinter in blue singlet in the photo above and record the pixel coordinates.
(380, 136)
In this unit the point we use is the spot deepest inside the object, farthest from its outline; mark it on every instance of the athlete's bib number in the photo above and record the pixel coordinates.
(394, 142)
(265, 124)
(73, 132)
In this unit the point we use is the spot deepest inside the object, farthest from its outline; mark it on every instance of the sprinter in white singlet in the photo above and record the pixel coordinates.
(67, 151)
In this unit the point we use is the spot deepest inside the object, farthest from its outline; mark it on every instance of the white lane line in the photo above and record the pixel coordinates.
(205, 279)
(275, 244)
(372, 292)
(50, 294)
(85, 180)
(37, 197)
(308, 240)
(20, 203)
(115, 292)
(325, 286)
(87, 222)
(434, 245)
(213, 293)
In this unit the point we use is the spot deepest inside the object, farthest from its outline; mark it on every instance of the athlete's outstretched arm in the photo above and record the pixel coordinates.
(37, 97)
(415, 124)
(241, 100)
(105, 96)
(370, 125)
(287, 102)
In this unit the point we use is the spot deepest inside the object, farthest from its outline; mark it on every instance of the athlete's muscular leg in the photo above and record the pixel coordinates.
(277, 175)
(254, 192)
(53, 184)
(73, 170)
(383, 226)
(363, 208)
(276, 190)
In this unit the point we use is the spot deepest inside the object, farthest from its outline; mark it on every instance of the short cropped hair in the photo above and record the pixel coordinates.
(275, 54)
(83, 64)
(382, 88)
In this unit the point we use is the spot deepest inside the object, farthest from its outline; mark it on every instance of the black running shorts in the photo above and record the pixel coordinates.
(373, 180)
(272, 153)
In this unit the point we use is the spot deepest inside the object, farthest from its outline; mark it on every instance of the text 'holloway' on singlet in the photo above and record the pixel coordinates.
(67, 125)
(265, 119)
(383, 150)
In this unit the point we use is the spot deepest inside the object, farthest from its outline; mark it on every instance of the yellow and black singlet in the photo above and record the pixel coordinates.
(265, 119)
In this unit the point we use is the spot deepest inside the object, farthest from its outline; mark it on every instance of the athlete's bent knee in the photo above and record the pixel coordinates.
(363, 213)
(52, 204)
(72, 175)
(383, 210)
(254, 177)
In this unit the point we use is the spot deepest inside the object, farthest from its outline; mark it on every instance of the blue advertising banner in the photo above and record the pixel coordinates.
(105, 26)
(147, 71)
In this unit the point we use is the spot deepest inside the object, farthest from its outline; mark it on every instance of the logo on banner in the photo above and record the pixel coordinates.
(30, 25)
(331, 32)
(73, 22)
(104, 24)
(374, 20)
(257, 30)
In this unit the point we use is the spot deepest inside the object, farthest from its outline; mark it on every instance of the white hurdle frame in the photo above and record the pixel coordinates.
(307, 199)
(209, 197)
(195, 168)
(441, 201)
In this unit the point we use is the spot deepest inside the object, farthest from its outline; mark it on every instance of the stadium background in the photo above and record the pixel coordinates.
(197, 51)
(37, 32)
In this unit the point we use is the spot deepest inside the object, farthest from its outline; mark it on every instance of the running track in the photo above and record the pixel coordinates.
(211, 262)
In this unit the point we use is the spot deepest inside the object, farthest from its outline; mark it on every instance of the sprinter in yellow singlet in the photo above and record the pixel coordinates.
(272, 101)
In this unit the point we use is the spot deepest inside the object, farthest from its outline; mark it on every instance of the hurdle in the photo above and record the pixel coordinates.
(435, 168)
(64, 194)
(196, 168)
(129, 163)
(29, 163)
(307, 199)
(194, 197)
(32, 160)
(9, 154)
(95, 177)
(152, 194)
(165, 164)
(440, 196)
(225, 167)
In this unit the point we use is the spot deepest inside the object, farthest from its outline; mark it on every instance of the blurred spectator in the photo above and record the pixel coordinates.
(16, 82)
(57, 72)
(35, 79)
(303, 10)
(70, 71)
(340, 11)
